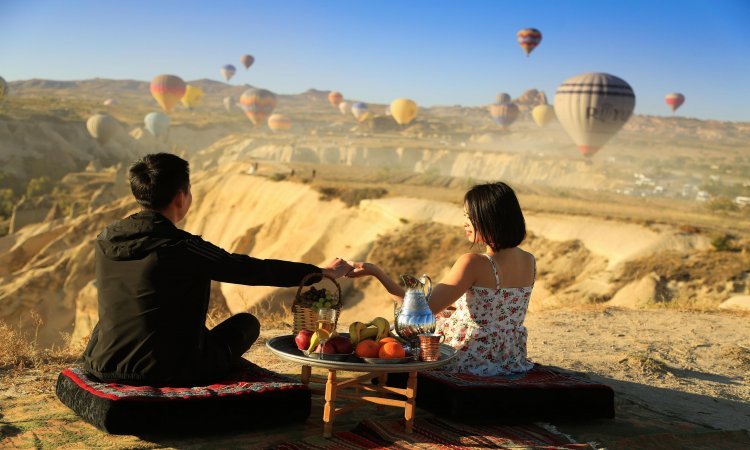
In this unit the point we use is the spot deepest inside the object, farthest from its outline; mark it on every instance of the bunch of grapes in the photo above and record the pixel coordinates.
(320, 298)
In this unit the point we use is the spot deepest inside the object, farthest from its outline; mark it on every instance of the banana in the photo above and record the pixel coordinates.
(314, 341)
(368, 333)
(355, 331)
(383, 326)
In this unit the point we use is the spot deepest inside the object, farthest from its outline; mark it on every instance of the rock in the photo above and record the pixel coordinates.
(637, 294)
(736, 303)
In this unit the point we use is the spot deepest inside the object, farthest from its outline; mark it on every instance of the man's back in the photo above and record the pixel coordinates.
(152, 301)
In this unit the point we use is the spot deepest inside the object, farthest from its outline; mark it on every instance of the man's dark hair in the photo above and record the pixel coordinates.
(495, 213)
(156, 178)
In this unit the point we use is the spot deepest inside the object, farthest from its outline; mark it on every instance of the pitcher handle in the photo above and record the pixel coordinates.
(429, 289)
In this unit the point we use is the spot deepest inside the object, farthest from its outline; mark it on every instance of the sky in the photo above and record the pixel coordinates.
(434, 52)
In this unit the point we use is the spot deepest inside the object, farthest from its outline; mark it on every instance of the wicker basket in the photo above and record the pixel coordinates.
(304, 316)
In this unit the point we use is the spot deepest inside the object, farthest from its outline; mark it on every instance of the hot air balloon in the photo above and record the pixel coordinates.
(504, 113)
(228, 71)
(592, 108)
(102, 127)
(335, 98)
(543, 114)
(403, 110)
(247, 60)
(258, 104)
(502, 98)
(529, 38)
(167, 90)
(674, 100)
(193, 96)
(344, 107)
(156, 123)
(358, 110)
(228, 103)
(3, 88)
(279, 122)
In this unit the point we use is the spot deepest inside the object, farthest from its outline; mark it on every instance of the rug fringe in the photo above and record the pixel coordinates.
(553, 429)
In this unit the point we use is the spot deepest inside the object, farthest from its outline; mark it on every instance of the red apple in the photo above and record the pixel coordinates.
(328, 348)
(341, 344)
(303, 339)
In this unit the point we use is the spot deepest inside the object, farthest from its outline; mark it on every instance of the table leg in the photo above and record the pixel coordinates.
(382, 380)
(411, 393)
(330, 407)
(305, 376)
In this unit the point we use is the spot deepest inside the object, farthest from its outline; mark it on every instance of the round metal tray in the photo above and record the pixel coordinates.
(330, 356)
(389, 360)
(285, 348)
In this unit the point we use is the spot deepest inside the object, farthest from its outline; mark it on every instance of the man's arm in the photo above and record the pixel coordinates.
(220, 265)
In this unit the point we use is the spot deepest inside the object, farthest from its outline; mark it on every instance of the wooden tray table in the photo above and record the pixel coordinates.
(285, 348)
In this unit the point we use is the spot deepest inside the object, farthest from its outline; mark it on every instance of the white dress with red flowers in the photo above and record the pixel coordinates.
(487, 330)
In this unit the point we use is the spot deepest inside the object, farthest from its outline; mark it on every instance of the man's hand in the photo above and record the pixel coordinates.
(337, 268)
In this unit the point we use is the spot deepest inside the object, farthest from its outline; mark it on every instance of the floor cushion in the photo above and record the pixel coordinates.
(540, 394)
(249, 398)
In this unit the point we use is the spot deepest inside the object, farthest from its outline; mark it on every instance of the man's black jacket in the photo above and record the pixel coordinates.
(154, 282)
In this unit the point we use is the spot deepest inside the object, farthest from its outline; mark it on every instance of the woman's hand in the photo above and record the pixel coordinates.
(337, 268)
(362, 269)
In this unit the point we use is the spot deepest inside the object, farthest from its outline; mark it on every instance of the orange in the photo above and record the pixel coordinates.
(391, 350)
(387, 339)
(367, 349)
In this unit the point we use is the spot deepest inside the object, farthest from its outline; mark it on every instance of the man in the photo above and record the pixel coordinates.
(154, 283)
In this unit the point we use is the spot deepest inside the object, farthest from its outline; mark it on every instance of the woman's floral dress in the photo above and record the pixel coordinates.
(487, 330)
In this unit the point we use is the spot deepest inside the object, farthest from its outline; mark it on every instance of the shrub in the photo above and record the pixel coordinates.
(38, 186)
(277, 177)
(354, 196)
(723, 243)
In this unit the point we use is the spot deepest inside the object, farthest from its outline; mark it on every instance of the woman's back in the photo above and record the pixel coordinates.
(487, 326)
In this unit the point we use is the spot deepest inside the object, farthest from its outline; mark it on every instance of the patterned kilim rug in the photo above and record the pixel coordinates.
(433, 433)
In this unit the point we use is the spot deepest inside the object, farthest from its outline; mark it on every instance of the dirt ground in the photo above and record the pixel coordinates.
(677, 375)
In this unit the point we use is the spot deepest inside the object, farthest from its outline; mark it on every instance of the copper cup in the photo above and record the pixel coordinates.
(429, 345)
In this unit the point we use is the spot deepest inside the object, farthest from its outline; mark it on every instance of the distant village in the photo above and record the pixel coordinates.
(672, 186)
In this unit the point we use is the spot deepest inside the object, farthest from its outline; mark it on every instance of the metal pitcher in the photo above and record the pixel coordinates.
(414, 317)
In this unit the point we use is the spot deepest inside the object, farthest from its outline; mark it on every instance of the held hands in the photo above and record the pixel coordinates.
(337, 268)
(361, 269)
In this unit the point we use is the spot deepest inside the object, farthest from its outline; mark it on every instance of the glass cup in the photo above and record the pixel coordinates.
(326, 325)
(429, 346)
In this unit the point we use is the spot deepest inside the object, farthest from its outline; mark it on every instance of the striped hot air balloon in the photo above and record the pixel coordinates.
(335, 98)
(528, 39)
(102, 127)
(258, 104)
(167, 90)
(358, 110)
(502, 98)
(592, 108)
(279, 122)
(247, 60)
(504, 114)
(674, 100)
(228, 71)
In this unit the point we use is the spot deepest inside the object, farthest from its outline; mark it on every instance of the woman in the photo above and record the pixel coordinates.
(481, 304)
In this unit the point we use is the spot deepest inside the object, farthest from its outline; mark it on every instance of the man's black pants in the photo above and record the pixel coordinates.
(224, 346)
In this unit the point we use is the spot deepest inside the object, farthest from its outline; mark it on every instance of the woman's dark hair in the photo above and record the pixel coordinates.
(156, 178)
(495, 213)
